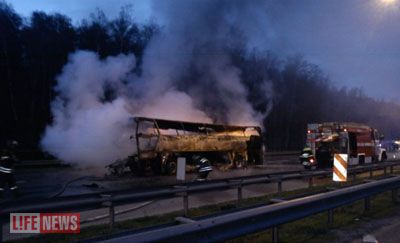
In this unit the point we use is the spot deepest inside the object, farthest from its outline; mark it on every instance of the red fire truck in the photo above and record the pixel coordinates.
(360, 142)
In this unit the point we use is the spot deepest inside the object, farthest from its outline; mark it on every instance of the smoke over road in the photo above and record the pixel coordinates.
(187, 75)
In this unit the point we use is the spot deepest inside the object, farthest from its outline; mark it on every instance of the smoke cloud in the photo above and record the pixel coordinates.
(187, 75)
(86, 129)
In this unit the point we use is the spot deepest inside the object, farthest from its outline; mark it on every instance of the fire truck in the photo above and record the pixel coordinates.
(360, 142)
(160, 142)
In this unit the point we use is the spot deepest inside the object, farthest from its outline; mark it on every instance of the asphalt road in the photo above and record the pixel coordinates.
(46, 182)
(43, 182)
(50, 181)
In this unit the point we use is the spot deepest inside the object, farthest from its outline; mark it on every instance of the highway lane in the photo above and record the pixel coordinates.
(48, 181)
(42, 182)
(157, 207)
(61, 181)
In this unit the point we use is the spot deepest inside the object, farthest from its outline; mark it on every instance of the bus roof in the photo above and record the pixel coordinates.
(194, 126)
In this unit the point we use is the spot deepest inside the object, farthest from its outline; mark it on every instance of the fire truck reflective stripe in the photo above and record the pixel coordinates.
(364, 144)
(13, 188)
(5, 157)
(340, 167)
(1, 189)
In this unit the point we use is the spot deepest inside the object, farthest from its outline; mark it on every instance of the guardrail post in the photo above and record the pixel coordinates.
(367, 204)
(237, 184)
(239, 194)
(371, 173)
(185, 203)
(111, 209)
(330, 217)
(395, 195)
(384, 171)
(354, 176)
(391, 169)
(1, 228)
(275, 234)
(112, 216)
(310, 181)
(185, 199)
(279, 185)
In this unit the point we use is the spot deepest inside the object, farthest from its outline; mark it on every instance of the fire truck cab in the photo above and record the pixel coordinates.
(360, 142)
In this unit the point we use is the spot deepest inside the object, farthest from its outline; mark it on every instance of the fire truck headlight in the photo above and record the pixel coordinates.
(312, 161)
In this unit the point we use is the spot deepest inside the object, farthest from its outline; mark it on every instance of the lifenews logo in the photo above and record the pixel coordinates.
(45, 223)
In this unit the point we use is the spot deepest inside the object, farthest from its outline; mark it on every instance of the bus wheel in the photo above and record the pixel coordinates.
(137, 168)
(156, 167)
(170, 168)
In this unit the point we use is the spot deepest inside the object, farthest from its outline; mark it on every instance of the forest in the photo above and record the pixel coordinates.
(34, 50)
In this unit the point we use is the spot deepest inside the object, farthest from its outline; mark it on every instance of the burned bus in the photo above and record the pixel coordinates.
(160, 142)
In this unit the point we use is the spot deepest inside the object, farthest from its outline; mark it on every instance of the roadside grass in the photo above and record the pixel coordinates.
(316, 228)
(311, 229)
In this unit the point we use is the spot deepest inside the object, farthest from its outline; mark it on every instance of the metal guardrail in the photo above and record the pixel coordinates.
(225, 227)
(112, 199)
(94, 201)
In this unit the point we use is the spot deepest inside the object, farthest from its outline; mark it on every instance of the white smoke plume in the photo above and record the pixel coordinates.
(89, 130)
(187, 75)
(85, 129)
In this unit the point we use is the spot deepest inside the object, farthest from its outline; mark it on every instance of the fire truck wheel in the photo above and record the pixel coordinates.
(384, 157)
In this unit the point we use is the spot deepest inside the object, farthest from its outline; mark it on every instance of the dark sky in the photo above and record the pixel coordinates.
(355, 42)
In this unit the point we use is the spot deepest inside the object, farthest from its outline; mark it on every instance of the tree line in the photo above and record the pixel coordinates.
(34, 50)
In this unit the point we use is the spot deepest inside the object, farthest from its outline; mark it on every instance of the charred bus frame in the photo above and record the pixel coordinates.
(159, 142)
